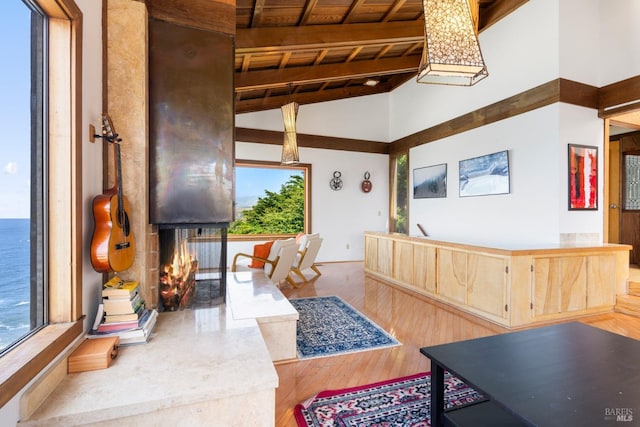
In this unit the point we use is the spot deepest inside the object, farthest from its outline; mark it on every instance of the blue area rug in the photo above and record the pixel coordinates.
(328, 326)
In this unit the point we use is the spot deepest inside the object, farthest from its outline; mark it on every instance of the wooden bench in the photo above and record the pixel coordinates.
(250, 295)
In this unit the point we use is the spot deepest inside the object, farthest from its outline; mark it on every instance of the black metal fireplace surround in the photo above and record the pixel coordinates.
(191, 157)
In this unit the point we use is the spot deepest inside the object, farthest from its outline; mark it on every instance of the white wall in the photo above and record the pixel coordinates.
(579, 126)
(579, 40)
(618, 54)
(91, 152)
(341, 217)
(364, 117)
(521, 52)
(541, 41)
(527, 215)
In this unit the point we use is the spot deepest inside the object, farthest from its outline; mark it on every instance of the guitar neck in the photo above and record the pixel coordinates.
(119, 178)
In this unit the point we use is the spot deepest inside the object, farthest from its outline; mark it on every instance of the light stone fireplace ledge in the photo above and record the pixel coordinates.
(198, 366)
(251, 295)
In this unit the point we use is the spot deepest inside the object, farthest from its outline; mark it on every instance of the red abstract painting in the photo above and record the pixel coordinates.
(583, 177)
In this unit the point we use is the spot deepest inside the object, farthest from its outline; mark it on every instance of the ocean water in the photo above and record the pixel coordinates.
(14, 286)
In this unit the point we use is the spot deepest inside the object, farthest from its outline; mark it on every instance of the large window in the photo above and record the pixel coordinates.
(399, 199)
(271, 199)
(22, 26)
(44, 167)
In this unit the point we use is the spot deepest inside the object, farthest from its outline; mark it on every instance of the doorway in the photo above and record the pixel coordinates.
(622, 215)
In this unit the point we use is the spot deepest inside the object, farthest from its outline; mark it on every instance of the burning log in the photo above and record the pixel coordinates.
(178, 279)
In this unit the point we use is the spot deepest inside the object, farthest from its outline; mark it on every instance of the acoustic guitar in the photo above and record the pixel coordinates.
(112, 245)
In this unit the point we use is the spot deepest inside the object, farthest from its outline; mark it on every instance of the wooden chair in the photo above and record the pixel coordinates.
(277, 264)
(306, 258)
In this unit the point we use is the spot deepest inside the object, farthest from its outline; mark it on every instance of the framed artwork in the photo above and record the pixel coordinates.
(484, 175)
(430, 182)
(583, 177)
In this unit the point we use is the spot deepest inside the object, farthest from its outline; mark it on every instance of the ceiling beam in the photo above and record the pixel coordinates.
(258, 8)
(211, 15)
(308, 10)
(278, 39)
(312, 141)
(497, 11)
(264, 79)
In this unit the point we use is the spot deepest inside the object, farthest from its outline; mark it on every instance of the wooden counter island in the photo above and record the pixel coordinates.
(513, 287)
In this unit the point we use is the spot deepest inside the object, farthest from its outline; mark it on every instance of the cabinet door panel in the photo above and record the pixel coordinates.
(601, 280)
(403, 262)
(560, 285)
(385, 257)
(574, 283)
(546, 285)
(486, 285)
(371, 253)
(424, 268)
(452, 275)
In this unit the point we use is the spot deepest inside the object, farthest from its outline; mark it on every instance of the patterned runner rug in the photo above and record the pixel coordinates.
(328, 326)
(401, 402)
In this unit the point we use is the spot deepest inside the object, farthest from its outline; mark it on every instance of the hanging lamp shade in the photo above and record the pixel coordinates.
(290, 144)
(451, 53)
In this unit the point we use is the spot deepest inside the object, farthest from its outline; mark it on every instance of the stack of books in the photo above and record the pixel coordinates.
(123, 313)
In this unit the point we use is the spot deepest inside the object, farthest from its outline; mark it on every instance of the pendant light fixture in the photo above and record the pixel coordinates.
(290, 154)
(451, 53)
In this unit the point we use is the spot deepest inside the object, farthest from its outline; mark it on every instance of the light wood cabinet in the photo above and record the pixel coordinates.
(511, 287)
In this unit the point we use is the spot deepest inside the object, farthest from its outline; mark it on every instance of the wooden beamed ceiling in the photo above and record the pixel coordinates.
(312, 51)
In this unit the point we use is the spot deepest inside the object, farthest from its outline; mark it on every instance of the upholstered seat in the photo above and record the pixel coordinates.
(277, 264)
(308, 249)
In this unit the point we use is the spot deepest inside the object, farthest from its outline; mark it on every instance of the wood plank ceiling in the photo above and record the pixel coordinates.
(321, 50)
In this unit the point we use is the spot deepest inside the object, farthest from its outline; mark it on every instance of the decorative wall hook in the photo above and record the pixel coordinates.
(366, 184)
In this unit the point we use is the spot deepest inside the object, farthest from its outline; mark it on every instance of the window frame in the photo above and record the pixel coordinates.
(306, 167)
(393, 192)
(625, 180)
(64, 212)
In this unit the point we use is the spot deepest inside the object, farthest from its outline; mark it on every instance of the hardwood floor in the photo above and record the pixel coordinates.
(414, 320)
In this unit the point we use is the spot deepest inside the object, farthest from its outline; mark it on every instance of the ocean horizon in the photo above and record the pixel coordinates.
(15, 287)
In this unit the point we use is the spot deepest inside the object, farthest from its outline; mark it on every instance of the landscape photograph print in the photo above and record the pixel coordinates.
(430, 182)
(485, 175)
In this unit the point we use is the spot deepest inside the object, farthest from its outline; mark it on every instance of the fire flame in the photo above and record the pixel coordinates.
(178, 277)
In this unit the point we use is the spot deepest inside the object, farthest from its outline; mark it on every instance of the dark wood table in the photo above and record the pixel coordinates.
(570, 374)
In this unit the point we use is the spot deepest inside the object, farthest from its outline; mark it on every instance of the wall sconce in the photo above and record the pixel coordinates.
(290, 154)
(451, 53)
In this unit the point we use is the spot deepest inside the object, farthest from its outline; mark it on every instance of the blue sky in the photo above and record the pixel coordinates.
(14, 110)
(252, 182)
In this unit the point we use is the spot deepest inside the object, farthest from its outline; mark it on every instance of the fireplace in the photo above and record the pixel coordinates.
(192, 267)
(191, 148)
